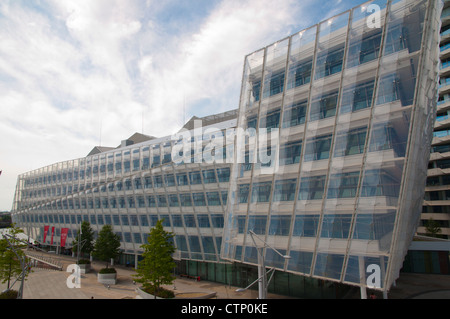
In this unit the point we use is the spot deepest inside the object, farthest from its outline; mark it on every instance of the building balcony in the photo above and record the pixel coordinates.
(440, 140)
(438, 172)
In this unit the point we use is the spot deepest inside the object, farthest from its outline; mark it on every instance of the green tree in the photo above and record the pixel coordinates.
(10, 266)
(86, 239)
(107, 245)
(156, 267)
(432, 228)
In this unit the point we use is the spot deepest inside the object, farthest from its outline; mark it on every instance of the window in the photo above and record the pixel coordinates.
(209, 176)
(350, 143)
(324, 106)
(396, 39)
(336, 226)
(294, 114)
(173, 200)
(141, 201)
(144, 220)
(185, 200)
(343, 185)
(257, 224)
(217, 220)
(170, 180)
(284, 190)
(158, 181)
(162, 201)
(256, 90)
(176, 221)
(384, 137)
(312, 188)
(223, 174)
(203, 221)
(131, 203)
(116, 220)
(318, 148)
(137, 238)
(134, 220)
(156, 161)
(365, 50)
(299, 74)
(125, 221)
(329, 62)
(189, 221)
(213, 198)
(243, 193)
(270, 120)
(279, 225)
(380, 183)
(182, 179)
(195, 178)
(290, 153)
(306, 225)
(261, 192)
(199, 199)
(273, 83)
(151, 201)
(373, 226)
(388, 89)
(357, 97)
(148, 182)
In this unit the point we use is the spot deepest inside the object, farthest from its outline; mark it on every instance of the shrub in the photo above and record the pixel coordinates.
(107, 271)
(162, 292)
(9, 294)
(84, 261)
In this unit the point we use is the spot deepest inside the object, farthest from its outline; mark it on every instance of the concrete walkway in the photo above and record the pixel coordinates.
(52, 284)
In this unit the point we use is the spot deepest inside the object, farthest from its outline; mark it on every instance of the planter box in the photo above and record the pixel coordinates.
(145, 295)
(107, 279)
(85, 268)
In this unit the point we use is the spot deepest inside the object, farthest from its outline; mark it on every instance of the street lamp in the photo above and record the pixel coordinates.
(263, 283)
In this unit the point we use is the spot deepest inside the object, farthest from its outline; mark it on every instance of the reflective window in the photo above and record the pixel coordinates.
(312, 187)
(343, 185)
(290, 153)
(318, 148)
(294, 114)
(273, 83)
(357, 97)
(261, 191)
(284, 190)
(329, 62)
(299, 74)
(324, 106)
(350, 143)
(280, 225)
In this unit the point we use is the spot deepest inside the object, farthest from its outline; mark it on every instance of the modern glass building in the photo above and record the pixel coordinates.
(436, 208)
(324, 162)
(131, 187)
(353, 100)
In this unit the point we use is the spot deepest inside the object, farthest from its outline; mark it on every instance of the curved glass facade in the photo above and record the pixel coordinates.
(355, 122)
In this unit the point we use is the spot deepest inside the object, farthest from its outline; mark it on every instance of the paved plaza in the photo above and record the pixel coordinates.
(52, 284)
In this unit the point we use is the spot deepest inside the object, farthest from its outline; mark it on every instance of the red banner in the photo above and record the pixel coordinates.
(64, 232)
(45, 232)
(53, 232)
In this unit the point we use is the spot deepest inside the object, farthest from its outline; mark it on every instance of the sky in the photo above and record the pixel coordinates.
(75, 74)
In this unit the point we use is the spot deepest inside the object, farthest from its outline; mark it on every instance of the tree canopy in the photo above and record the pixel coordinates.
(107, 245)
(156, 267)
